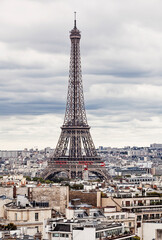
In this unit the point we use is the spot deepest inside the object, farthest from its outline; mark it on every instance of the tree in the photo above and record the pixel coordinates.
(77, 186)
(11, 226)
(28, 178)
(103, 195)
(136, 238)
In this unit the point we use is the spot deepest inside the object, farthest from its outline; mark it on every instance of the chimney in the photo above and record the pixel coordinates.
(14, 191)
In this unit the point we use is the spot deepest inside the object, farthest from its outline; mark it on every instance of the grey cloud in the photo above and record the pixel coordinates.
(121, 50)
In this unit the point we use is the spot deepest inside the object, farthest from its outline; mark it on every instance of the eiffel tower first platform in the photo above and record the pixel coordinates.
(75, 153)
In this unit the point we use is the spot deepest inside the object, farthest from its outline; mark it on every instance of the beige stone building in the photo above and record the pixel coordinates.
(56, 195)
(26, 216)
(146, 209)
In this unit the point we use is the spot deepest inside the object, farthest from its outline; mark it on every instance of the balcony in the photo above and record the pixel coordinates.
(121, 237)
(149, 210)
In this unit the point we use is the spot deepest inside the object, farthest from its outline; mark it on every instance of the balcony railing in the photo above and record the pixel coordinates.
(142, 205)
(149, 210)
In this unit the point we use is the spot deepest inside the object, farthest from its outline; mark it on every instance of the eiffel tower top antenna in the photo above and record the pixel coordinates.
(74, 19)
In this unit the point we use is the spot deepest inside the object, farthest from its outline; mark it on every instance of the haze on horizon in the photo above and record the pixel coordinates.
(121, 50)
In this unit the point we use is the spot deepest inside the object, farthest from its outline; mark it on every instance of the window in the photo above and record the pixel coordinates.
(15, 216)
(139, 218)
(151, 202)
(64, 235)
(140, 203)
(127, 203)
(55, 234)
(36, 216)
(138, 225)
(145, 216)
(98, 235)
(130, 224)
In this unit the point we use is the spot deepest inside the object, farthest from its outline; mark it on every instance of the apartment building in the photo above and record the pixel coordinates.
(83, 229)
(144, 208)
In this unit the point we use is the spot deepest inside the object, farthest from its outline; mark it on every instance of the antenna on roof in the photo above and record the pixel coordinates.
(74, 19)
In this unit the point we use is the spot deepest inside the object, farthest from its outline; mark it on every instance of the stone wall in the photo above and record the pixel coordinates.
(85, 197)
(158, 234)
(7, 191)
(57, 196)
(109, 201)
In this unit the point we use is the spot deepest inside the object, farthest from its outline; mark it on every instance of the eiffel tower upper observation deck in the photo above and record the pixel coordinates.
(75, 147)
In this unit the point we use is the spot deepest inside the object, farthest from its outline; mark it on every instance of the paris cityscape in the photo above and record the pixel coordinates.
(80, 121)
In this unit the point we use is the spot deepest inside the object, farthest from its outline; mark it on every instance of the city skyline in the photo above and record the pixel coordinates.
(121, 71)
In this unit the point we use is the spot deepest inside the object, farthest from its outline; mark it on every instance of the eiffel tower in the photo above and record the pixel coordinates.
(75, 151)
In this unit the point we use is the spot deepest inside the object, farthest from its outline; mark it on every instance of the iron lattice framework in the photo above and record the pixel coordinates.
(75, 142)
(75, 151)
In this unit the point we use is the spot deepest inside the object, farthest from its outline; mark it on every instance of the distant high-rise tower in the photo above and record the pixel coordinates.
(75, 151)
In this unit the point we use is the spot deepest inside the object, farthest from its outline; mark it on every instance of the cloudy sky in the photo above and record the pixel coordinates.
(121, 49)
